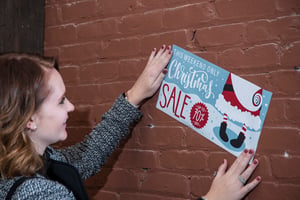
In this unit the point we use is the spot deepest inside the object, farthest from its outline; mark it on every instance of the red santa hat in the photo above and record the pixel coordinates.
(246, 99)
(241, 101)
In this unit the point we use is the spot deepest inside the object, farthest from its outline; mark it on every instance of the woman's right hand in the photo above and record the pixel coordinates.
(152, 76)
(228, 185)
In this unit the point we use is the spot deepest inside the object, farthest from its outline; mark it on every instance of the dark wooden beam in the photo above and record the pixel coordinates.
(22, 26)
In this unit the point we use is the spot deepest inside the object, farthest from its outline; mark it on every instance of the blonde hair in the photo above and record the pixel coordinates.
(23, 89)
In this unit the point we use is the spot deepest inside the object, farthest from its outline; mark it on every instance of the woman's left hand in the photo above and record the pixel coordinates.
(151, 77)
(233, 184)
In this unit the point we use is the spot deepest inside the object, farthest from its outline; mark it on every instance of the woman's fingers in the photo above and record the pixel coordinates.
(161, 58)
(231, 184)
(151, 77)
(250, 169)
(222, 169)
(162, 50)
(158, 64)
(241, 162)
(152, 55)
(250, 186)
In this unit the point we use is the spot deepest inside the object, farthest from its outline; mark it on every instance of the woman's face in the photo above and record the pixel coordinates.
(50, 119)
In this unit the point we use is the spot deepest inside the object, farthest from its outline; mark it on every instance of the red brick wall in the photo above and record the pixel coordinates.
(103, 45)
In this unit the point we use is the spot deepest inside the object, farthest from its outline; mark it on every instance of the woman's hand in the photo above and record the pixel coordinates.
(231, 185)
(152, 76)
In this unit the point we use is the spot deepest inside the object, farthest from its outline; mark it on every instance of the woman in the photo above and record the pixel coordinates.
(34, 112)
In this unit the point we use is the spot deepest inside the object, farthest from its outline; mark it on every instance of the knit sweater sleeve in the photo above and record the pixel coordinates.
(91, 154)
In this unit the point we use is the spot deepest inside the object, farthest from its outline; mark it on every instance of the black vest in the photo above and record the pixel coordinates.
(59, 171)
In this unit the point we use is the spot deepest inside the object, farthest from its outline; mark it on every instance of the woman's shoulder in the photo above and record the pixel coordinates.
(55, 154)
(37, 187)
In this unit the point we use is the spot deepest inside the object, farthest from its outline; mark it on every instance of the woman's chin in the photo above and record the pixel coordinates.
(63, 136)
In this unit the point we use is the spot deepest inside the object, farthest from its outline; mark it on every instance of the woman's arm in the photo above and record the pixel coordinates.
(90, 155)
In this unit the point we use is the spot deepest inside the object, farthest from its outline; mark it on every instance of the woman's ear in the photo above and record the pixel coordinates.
(31, 125)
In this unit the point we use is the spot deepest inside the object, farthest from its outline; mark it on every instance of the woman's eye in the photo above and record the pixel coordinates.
(62, 100)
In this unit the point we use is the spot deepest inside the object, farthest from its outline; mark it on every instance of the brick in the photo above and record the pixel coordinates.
(99, 73)
(75, 135)
(157, 118)
(130, 70)
(275, 113)
(97, 111)
(130, 143)
(60, 35)
(137, 159)
(157, 40)
(78, 10)
(188, 15)
(84, 94)
(51, 52)
(119, 48)
(97, 29)
(221, 35)
(87, 115)
(158, 4)
(285, 83)
(267, 191)
(79, 53)
(105, 72)
(290, 57)
(81, 116)
(138, 196)
(160, 137)
(200, 185)
(91, 191)
(181, 159)
(141, 23)
(215, 159)
(245, 8)
(279, 140)
(122, 180)
(167, 183)
(109, 92)
(283, 29)
(291, 191)
(279, 167)
(100, 179)
(195, 140)
(292, 111)
(252, 72)
(51, 16)
(255, 57)
(70, 74)
(106, 195)
(113, 158)
(288, 5)
(154, 4)
(118, 8)
(264, 169)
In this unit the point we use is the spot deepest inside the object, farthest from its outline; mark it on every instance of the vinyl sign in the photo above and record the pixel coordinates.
(219, 105)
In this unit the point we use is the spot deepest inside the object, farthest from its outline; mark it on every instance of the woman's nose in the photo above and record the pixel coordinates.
(71, 107)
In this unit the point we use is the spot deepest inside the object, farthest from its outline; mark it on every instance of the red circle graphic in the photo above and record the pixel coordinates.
(199, 115)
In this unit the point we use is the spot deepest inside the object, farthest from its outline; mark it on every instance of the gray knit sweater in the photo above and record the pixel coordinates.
(87, 156)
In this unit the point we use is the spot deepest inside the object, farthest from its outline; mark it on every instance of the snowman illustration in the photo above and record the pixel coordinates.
(240, 102)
